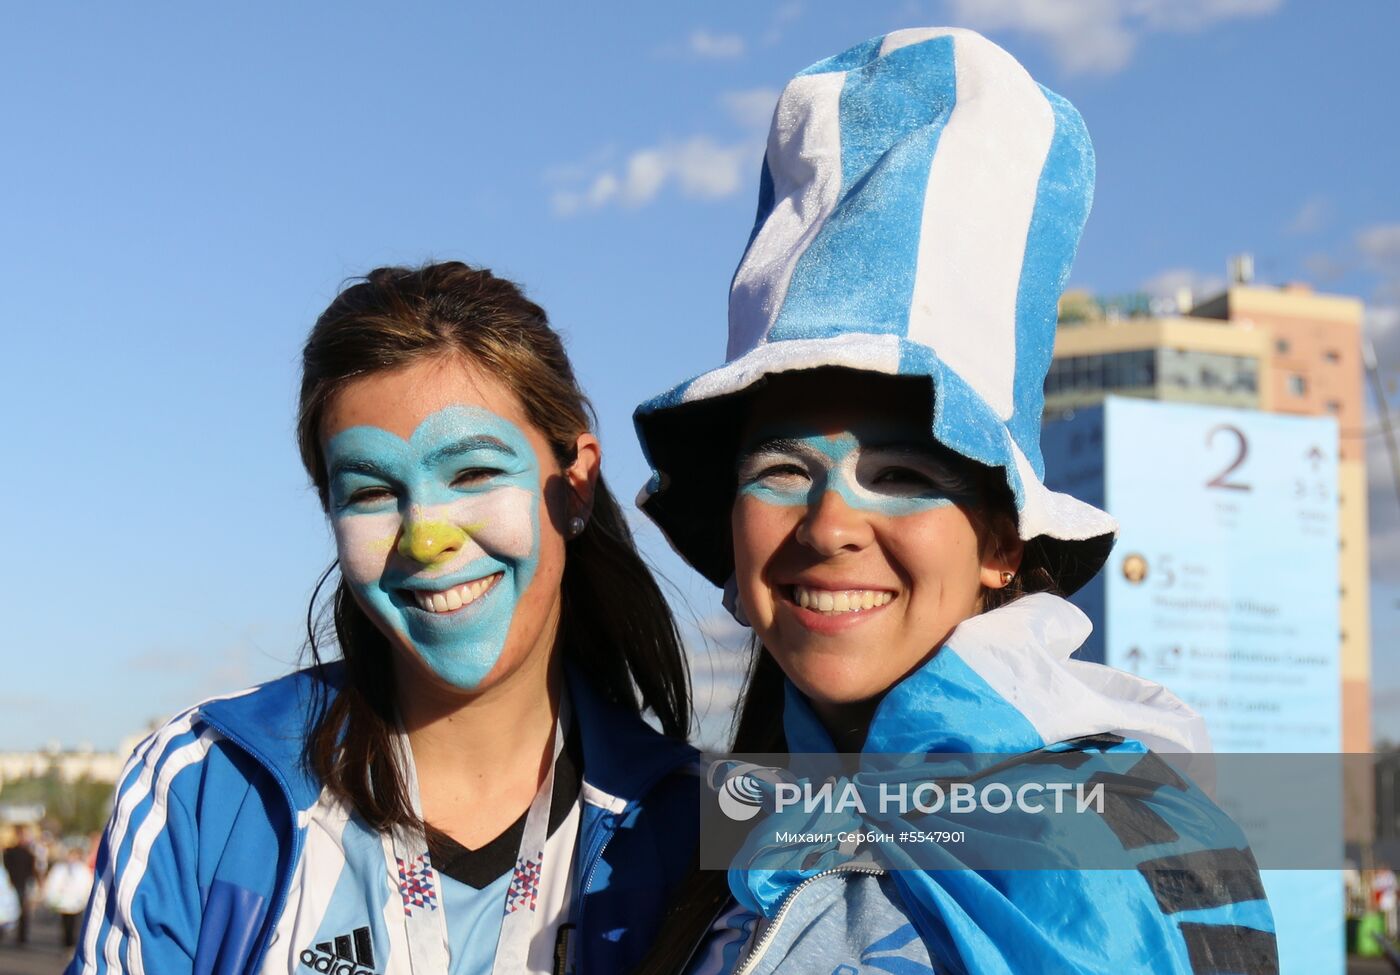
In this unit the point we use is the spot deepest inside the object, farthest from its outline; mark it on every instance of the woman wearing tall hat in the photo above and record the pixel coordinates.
(863, 476)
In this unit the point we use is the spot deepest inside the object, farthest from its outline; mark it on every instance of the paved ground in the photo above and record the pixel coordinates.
(42, 956)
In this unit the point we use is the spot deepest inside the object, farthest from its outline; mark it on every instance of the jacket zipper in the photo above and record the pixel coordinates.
(609, 826)
(761, 948)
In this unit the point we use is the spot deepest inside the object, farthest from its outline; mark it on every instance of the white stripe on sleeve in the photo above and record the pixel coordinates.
(150, 829)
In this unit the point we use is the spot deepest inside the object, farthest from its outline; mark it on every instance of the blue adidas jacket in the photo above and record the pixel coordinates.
(209, 822)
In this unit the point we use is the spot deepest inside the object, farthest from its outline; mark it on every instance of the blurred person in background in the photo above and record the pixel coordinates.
(66, 890)
(22, 866)
(9, 900)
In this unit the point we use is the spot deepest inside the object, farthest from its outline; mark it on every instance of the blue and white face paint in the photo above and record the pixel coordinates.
(891, 479)
(439, 535)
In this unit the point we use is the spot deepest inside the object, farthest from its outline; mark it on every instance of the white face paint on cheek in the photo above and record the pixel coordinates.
(497, 523)
(364, 544)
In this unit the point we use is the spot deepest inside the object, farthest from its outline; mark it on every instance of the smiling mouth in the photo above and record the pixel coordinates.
(833, 601)
(451, 600)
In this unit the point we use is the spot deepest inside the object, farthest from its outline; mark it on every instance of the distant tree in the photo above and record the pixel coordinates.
(79, 807)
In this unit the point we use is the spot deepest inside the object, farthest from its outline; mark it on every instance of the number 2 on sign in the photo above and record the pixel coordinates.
(1221, 480)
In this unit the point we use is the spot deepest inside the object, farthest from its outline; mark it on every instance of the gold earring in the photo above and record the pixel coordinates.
(1006, 577)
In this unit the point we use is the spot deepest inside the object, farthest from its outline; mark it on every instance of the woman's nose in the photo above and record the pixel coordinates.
(429, 541)
(830, 525)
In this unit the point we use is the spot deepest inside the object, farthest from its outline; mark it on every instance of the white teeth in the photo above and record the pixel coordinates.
(450, 600)
(845, 601)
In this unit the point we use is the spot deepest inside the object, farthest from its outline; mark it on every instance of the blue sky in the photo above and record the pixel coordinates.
(184, 189)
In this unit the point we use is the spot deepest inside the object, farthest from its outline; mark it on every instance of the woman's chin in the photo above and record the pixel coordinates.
(838, 680)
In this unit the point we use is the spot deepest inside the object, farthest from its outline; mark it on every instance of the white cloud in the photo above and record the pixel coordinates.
(1380, 246)
(580, 170)
(784, 15)
(1382, 320)
(1099, 36)
(706, 44)
(699, 168)
(753, 107)
(1309, 218)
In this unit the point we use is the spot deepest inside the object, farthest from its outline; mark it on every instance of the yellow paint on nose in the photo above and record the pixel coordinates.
(429, 542)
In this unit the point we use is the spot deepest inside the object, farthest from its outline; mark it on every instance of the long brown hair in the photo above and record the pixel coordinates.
(758, 718)
(614, 621)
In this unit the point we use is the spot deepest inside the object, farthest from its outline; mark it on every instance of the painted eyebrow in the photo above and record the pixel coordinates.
(775, 445)
(468, 445)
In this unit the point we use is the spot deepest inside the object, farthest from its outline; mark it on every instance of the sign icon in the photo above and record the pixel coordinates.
(1134, 568)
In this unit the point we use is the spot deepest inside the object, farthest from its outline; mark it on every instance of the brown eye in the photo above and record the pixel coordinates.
(752, 474)
(902, 475)
(473, 476)
(370, 495)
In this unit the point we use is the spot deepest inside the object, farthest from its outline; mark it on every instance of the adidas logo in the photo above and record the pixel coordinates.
(348, 954)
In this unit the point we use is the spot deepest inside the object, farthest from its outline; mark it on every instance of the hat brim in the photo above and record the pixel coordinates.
(690, 494)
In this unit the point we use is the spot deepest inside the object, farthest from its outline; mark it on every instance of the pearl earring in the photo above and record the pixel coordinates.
(575, 528)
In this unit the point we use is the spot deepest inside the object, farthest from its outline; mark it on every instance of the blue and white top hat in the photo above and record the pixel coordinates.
(919, 208)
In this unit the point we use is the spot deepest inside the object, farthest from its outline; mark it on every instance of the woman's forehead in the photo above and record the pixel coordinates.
(399, 400)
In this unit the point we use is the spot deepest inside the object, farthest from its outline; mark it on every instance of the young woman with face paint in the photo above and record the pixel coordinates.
(471, 788)
(863, 478)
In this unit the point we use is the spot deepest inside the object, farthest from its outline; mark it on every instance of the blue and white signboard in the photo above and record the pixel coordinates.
(1223, 586)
